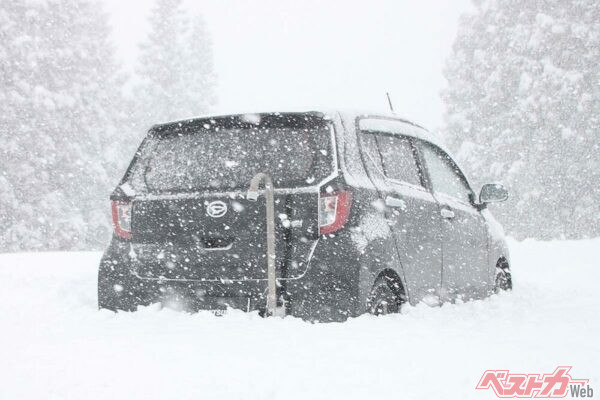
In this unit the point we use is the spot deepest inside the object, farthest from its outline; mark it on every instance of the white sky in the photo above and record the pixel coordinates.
(278, 54)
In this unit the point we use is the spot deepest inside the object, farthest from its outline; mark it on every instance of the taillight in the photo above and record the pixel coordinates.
(334, 210)
(121, 216)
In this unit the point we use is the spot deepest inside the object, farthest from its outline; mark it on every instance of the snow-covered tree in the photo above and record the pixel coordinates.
(175, 72)
(523, 103)
(59, 107)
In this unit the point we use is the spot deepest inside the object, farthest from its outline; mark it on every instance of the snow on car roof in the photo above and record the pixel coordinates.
(377, 120)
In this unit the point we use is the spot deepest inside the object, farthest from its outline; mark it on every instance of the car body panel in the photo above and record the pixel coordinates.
(465, 272)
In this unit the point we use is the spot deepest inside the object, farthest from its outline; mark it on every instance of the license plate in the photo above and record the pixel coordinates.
(219, 313)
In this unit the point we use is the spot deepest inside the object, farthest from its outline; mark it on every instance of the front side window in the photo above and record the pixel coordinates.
(445, 176)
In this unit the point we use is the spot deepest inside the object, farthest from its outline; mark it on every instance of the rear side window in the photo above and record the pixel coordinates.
(393, 155)
(372, 150)
(399, 160)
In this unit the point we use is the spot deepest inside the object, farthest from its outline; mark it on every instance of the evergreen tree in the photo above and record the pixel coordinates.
(59, 116)
(175, 73)
(522, 108)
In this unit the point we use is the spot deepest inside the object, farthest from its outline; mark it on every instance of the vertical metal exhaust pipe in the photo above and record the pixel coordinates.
(271, 277)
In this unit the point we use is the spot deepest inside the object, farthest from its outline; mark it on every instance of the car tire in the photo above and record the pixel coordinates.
(383, 299)
(503, 280)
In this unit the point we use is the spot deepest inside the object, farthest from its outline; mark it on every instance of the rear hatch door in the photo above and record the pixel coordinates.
(192, 220)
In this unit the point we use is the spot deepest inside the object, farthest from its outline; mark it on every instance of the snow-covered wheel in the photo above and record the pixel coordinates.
(503, 278)
(384, 299)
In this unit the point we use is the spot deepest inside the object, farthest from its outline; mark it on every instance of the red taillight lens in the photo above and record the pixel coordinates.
(121, 216)
(334, 210)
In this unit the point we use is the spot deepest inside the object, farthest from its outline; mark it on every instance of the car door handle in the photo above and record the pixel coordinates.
(392, 201)
(447, 213)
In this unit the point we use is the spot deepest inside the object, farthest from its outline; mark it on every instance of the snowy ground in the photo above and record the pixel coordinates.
(57, 345)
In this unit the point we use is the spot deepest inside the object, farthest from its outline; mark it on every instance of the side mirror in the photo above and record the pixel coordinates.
(492, 193)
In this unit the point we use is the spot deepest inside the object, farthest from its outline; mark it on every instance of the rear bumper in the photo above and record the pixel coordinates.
(327, 291)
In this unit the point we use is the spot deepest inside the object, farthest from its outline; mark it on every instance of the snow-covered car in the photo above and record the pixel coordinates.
(370, 212)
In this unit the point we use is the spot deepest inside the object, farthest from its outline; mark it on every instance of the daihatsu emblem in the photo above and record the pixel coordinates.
(216, 209)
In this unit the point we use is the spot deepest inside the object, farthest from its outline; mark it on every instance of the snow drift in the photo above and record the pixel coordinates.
(57, 345)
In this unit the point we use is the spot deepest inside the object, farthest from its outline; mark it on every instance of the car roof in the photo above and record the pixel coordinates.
(411, 128)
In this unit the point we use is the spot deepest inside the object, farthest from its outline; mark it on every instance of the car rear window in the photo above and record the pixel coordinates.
(226, 153)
